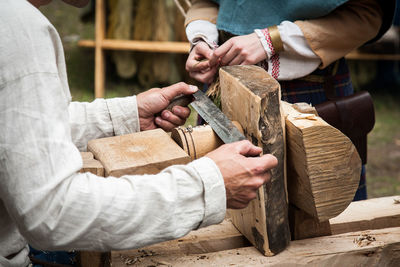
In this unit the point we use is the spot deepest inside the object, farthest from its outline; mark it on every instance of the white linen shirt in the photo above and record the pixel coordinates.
(43, 199)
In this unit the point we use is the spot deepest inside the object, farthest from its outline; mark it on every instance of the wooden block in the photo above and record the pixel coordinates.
(323, 166)
(91, 165)
(251, 96)
(375, 213)
(146, 152)
(336, 250)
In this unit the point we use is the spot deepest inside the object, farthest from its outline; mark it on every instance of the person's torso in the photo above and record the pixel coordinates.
(29, 45)
(243, 16)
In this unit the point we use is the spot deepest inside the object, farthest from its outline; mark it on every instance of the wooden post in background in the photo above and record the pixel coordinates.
(100, 29)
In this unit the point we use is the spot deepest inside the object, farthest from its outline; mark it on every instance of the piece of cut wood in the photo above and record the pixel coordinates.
(337, 250)
(91, 165)
(375, 213)
(250, 96)
(146, 152)
(323, 166)
(196, 141)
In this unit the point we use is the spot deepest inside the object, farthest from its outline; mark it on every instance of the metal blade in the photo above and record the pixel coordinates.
(218, 121)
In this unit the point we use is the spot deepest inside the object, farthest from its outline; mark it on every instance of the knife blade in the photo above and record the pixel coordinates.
(218, 121)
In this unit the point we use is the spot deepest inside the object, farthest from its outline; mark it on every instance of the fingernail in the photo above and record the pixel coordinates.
(158, 120)
(166, 114)
(193, 88)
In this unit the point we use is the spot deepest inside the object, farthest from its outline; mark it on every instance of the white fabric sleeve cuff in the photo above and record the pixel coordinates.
(264, 43)
(214, 191)
(202, 30)
(124, 114)
(297, 60)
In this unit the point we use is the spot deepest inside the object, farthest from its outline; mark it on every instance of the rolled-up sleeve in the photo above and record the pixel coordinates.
(102, 118)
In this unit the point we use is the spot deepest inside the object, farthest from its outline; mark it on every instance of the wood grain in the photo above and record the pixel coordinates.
(251, 96)
(323, 165)
(337, 250)
(146, 152)
(375, 213)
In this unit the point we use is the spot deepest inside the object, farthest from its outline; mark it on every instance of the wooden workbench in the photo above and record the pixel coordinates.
(223, 245)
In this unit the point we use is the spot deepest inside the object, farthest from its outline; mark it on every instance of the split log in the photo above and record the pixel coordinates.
(252, 97)
(146, 152)
(323, 166)
(198, 141)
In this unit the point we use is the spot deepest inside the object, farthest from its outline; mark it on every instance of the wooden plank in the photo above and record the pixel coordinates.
(250, 96)
(146, 152)
(100, 31)
(373, 213)
(356, 55)
(136, 45)
(323, 166)
(336, 250)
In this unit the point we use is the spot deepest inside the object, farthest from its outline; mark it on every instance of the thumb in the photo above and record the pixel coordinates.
(247, 149)
(178, 89)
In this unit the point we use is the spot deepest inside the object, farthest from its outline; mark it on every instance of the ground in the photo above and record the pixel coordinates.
(383, 169)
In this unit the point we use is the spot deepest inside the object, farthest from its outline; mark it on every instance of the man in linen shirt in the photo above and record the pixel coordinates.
(44, 201)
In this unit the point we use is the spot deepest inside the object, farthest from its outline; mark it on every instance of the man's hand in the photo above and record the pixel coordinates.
(239, 50)
(243, 172)
(156, 100)
(198, 65)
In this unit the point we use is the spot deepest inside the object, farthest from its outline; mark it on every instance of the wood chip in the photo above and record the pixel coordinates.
(363, 240)
(306, 116)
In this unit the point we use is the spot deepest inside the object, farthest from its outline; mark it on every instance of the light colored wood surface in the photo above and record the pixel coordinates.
(375, 213)
(146, 152)
(196, 141)
(337, 250)
(250, 96)
(323, 165)
(91, 165)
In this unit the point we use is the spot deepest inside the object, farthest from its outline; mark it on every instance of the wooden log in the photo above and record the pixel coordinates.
(198, 141)
(252, 97)
(375, 213)
(336, 250)
(323, 165)
(146, 152)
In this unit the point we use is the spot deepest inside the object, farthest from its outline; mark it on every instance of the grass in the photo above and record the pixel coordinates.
(383, 168)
